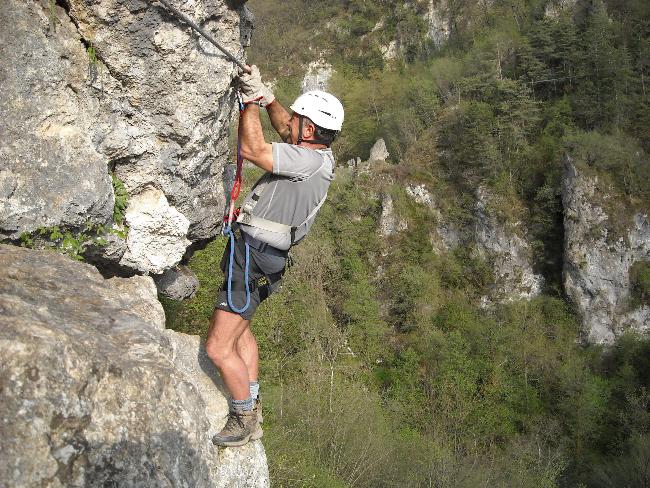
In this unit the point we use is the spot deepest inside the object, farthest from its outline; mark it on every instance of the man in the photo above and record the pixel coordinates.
(276, 215)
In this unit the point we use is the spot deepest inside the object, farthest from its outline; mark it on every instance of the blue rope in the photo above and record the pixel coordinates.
(232, 258)
(227, 229)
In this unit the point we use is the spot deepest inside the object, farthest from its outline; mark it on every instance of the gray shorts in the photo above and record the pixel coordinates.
(265, 268)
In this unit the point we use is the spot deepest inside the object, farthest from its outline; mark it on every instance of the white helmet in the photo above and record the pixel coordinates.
(323, 109)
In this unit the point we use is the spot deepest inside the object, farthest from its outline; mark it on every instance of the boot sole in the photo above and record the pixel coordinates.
(252, 437)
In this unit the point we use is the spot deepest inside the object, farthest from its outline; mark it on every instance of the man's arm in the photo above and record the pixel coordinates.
(279, 118)
(252, 145)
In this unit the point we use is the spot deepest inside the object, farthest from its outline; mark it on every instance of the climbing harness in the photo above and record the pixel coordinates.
(246, 216)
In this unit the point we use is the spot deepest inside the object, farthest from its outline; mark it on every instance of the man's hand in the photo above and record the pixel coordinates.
(252, 87)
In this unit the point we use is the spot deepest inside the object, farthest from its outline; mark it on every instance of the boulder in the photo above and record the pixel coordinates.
(597, 263)
(177, 283)
(120, 87)
(157, 233)
(378, 152)
(96, 393)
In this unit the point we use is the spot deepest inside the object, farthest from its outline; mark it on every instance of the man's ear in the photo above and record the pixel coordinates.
(308, 130)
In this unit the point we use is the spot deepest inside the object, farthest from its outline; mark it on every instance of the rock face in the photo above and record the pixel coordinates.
(596, 265)
(555, 8)
(510, 253)
(446, 236)
(96, 393)
(317, 77)
(115, 86)
(51, 171)
(439, 22)
(389, 222)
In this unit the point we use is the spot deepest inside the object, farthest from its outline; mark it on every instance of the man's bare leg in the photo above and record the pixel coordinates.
(247, 349)
(225, 330)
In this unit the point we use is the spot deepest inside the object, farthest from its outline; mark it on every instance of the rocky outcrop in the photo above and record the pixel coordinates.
(439, 22)
(157, 233)
(318, 76)
(378, 151)
(555, 8)
(596, 263)
(378, 154)
(509, 253)
(447, 236)
(116, 86)
(389, 222)
(390, 51)
(94, 392)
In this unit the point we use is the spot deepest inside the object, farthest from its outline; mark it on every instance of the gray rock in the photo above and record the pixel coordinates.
(446, 236)
(157, 233)
(420, 194)
(596, 266)
(378, 152)
(439, 21)
(317, 77)
(390, 51)
(177, 283)
(389, 222)
(509, 252)
(142, 296)
(51, 173)
(153, 104)
(555, 8)
(94, 395)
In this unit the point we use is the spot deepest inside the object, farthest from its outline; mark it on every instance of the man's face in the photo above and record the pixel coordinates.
(293, 125)
(294, 128)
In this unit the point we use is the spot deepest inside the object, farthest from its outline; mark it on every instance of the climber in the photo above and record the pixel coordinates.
(276, 215)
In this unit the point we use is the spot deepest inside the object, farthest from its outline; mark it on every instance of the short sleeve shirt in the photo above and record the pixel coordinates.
(298, 184)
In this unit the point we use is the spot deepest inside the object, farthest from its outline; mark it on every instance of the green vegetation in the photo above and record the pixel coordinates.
(121, 200)
(68, 242)
(51, 14)
(640, 280)
(379, 366)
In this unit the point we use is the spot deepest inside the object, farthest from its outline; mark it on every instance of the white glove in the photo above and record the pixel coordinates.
(252, 88)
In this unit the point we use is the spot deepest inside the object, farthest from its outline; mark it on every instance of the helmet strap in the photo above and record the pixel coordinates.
(301, 120)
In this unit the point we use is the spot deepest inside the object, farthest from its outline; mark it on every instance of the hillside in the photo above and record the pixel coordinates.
(439, 327)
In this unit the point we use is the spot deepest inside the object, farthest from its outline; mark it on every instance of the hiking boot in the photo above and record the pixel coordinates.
(257, 408)
(240, 428)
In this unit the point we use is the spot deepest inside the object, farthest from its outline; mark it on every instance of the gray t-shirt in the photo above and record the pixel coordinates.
(298, 184)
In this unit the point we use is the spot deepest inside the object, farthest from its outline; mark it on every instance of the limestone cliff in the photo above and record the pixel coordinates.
(597, 262)
(90, 88)
(94, 392)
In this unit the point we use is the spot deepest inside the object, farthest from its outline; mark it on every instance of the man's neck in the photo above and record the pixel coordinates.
(310, 145)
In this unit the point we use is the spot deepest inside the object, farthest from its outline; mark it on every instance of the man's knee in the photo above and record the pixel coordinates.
(218, 353)
(225, 330)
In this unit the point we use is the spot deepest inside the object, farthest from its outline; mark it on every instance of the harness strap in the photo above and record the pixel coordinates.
(246, 217)
(264, 224)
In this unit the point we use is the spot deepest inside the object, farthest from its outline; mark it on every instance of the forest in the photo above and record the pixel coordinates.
(380, 366)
